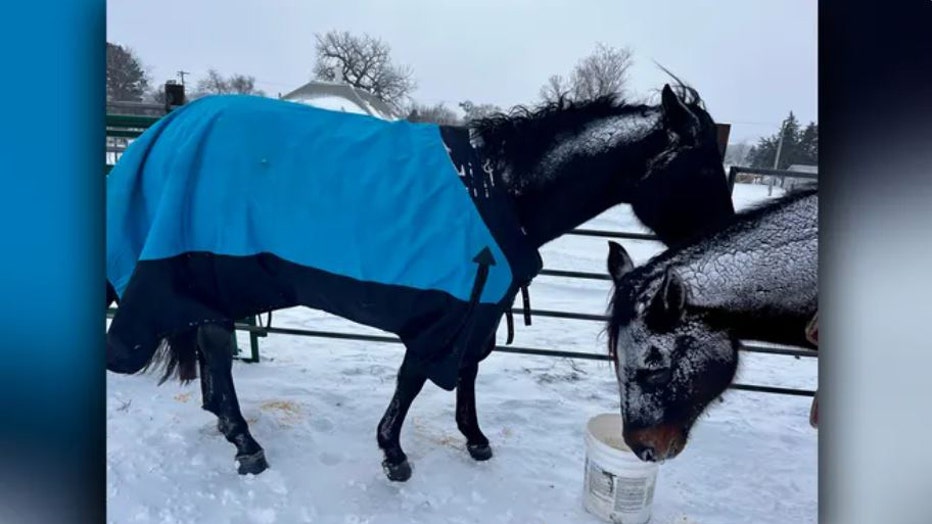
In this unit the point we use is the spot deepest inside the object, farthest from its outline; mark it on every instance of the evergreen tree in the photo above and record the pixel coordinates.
(764, 152)
(809, 144)
(127, 80)
(790, 152)
(799, 147)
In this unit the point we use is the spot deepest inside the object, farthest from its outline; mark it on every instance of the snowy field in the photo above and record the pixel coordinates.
(313, 404)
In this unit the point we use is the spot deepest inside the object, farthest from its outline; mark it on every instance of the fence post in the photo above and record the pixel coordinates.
(724, 130)
(253, 342)
(174, 95)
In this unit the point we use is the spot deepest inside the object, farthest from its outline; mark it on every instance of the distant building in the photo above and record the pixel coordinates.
(799, 168)
(804, 168)
(342, 97)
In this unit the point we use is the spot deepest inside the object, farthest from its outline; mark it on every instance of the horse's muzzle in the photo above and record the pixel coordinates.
(658, 443)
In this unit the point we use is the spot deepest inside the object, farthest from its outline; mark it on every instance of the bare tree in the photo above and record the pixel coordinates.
(603, 72)
(436, 114)
(556, 87)
(127, 79)
(244, 85)
(474, 111)
(157, 95)
(215, 83)
(363, 62)
(737, 154)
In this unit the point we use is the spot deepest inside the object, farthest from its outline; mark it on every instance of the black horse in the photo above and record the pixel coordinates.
(676, 322)
(557, 167)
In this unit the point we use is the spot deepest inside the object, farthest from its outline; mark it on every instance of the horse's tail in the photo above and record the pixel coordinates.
(176, 355)
(111, 295)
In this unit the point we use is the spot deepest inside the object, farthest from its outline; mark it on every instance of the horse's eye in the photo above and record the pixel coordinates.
(655, 377)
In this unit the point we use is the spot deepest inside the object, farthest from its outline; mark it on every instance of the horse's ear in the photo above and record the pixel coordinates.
(619, 263)
(669, 303)
(679, 119)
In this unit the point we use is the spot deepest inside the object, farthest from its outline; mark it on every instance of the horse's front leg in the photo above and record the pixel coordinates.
(466, 419)
(216, 365)
(411, 378)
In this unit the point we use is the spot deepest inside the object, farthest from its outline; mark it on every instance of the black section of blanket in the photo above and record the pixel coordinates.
(215, 288)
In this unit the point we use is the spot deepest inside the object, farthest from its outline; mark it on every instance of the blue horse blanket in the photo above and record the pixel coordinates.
(235, 205)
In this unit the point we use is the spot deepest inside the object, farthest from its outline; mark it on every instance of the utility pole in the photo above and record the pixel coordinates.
(181, 74)
(776, 159)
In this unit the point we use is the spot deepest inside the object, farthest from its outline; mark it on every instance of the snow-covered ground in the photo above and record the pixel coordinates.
(314, 405)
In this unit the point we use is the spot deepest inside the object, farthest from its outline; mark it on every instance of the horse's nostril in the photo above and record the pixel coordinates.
(648, 454)
(645, 453)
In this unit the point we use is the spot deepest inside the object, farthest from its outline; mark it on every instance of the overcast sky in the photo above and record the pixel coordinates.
(751, 60)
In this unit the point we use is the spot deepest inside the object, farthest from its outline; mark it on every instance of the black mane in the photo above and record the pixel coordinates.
(524, 133)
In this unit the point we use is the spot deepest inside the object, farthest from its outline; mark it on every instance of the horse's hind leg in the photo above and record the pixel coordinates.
(466, 419)
(411, 379)
(216, 362)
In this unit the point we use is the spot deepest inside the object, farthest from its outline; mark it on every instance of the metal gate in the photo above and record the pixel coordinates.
(123, 126)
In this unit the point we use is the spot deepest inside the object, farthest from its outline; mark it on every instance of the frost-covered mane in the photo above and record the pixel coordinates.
(516, 140)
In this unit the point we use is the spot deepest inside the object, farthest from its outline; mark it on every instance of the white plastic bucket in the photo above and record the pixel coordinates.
(618, 487)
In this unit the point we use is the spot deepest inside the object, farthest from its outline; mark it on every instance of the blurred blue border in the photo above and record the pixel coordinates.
(52, 445)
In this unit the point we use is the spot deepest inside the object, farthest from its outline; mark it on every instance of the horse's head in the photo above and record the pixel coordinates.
(567, 161)
(684, 190)
(670, 362)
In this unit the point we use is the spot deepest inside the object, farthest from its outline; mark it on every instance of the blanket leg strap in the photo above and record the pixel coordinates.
(526, 298)
(510, 323)
(509, 315)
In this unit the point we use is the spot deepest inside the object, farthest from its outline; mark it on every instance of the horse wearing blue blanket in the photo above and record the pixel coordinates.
(236, 205)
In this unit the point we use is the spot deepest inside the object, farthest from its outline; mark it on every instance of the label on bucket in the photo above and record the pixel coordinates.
(619, 497)
(601, 483)
(631, 494)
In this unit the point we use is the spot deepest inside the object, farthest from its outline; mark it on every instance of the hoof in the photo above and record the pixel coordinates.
(252, 464)
(479, 452)
(397, 472)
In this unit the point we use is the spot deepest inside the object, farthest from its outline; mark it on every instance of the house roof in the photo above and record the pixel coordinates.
(342, 97)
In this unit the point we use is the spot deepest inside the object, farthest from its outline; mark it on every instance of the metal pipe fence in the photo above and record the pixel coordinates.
(131, 126)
